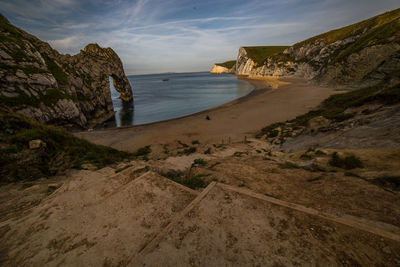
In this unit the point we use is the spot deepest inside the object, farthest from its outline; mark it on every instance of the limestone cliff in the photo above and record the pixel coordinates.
(225, 67)
(362, 54)
(244, 64)
(216, 69)
(72, 91)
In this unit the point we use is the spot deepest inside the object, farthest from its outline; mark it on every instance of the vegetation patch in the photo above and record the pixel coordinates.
(144, 151)
(50, 98)
(288, 165)
(57, 72)
(334, 107)
(192, 182)
(348, 163)
(227, 64)
(200, 162)
(391, 182)
(63, 150)
(378, 27)
(188, 151)
(259, 53)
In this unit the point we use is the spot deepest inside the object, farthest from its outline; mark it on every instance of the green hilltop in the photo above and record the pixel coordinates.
(378, 30)
(259, 53)
(227, 64)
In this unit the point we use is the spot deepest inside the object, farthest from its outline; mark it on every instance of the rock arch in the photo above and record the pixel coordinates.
(71, 91)
(104, 62)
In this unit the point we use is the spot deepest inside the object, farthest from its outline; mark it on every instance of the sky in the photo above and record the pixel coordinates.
(156, 36)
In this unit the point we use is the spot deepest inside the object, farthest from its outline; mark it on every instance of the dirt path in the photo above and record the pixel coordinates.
(232, 121)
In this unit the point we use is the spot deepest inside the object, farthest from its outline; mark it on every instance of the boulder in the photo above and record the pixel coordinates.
(316, 123)
(36, 144)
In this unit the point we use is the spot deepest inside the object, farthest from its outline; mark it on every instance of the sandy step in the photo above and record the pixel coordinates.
(235, 227)
(106, 171)
(93, 221)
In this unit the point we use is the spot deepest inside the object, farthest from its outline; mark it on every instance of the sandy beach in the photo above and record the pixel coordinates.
(271, 101)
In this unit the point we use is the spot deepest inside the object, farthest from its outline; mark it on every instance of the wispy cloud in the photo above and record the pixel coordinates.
(182, 35)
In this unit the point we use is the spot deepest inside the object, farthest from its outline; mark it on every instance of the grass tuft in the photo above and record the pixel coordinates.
(348, 163)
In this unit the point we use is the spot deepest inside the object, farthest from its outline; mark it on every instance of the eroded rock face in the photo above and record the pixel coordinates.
(71, 91)
(363, 54)
(244, 64)
(216, 69)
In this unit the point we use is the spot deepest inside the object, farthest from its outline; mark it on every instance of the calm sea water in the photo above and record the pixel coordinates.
(183, 94)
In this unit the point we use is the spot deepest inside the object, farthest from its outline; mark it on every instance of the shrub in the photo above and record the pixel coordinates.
(200, 161)
(348, 163)
(273, 133)
(189, 150)
(192, 182)
(288, 165)
(143, 151)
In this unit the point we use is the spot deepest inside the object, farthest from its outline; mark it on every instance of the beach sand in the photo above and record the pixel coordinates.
(272, 100)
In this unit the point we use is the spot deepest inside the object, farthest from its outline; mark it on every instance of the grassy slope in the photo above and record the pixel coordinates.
(62, 151)
(259, 53)
(227, 64)
(334, 107)
(380, 29)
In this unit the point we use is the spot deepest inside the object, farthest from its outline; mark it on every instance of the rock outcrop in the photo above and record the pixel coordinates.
(71, 91)
(244, 64)
(226, 67)
(216, 69)
(362, 54)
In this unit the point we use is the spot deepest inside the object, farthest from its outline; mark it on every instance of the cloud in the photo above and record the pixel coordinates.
(68, 44)
(182, 35)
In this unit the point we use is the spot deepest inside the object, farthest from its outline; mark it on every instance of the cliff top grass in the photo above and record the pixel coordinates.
(63, 150)
(259, 53)
(381, 28)
(227, 64)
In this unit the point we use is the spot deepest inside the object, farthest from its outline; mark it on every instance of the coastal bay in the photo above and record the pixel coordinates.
(272, 100)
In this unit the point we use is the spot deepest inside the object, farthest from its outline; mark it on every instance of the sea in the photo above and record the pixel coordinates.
(158, 97)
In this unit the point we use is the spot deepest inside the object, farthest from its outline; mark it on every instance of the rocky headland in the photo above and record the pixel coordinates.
(359, 55)
(225, 67)
(70, 91)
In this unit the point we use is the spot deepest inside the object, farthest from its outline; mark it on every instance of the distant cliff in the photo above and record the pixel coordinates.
(252, 57)
(71, 91)
(225, 67)
(362, 54)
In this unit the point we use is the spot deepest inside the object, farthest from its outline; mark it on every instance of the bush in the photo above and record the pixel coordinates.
(288, 165)
(273, 133)
(143, 151)
(189, 150)
(348, 163)
(201, 162)
(192, 182)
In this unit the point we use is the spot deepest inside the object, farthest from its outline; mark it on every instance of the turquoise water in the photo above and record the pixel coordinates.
(183, 94)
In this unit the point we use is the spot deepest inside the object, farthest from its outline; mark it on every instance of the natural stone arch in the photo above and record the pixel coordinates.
(71, 91)
(107, 63)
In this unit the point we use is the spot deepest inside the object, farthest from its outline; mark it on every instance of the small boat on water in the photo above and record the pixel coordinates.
(165, 80)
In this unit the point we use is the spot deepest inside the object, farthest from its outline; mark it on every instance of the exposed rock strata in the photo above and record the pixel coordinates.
(216, 69)
(362, 54)
(71, 91)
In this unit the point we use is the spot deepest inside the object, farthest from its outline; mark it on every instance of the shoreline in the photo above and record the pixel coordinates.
(234, 120)
(257, 85)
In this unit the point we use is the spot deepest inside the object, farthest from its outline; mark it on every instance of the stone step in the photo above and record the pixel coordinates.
(231, 226)
(92, 221)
